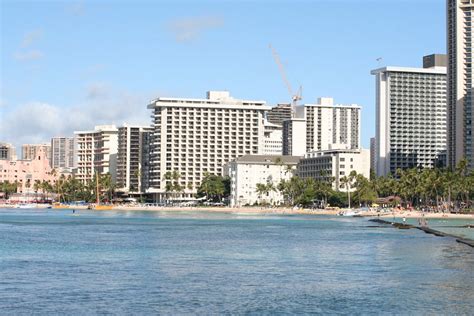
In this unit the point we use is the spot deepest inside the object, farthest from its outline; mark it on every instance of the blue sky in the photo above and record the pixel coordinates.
(68, 66)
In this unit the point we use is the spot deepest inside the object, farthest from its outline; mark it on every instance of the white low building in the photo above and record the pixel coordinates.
(336, 163)
(247, 171)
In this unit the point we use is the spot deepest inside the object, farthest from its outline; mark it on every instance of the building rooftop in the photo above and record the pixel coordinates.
(327, 102)
(214, 99)
(135, 126)
(319, 153)
(98, 129)
(268, 159)
(434, 70)
(432, 64)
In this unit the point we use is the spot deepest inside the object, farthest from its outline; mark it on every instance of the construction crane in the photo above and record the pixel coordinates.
(295, 97)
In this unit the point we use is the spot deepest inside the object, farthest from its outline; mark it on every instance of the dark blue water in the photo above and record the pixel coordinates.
(54, 262)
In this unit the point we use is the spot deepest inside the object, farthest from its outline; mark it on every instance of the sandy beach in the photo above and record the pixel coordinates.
(278, 211)
(419, 214)
(287, 211)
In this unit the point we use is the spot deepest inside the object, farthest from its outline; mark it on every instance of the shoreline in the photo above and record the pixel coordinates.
(290, 211)
(266, 211)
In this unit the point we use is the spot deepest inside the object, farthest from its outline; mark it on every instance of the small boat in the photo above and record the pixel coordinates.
(102, 207)
(59, 205)
(350, 212)
(26, 205)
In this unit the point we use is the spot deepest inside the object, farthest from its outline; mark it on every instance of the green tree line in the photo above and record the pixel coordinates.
(67, 189)
(435, 188)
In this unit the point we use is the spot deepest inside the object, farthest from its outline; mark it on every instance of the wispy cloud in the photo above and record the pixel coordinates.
(46, 120)
(31, 37)
(29, 55)
(76, 8)
(190, 29)
(97, 90)
(26, 50)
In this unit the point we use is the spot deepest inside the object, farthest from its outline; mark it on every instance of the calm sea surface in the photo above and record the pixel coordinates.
(54, 262)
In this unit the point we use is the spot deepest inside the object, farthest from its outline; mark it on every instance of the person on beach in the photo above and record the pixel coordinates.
(422, 221)
(404, 220)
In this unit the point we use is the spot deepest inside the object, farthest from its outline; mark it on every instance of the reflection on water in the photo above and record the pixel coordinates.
(146, 262)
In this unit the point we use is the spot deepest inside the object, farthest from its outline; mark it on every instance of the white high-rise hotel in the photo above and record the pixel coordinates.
(329, 124)
(410, 116)
(62, 152)
(319, 126)
(199, 136)
(460, 14)
(96, 152)
(133, 159)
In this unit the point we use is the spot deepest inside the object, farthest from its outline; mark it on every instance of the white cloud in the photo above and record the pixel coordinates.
(97, 90)
(31, 37)
(38, 121)
(28, 55)
(190, 29)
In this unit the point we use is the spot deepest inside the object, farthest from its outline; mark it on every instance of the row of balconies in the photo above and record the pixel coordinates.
(425, 138)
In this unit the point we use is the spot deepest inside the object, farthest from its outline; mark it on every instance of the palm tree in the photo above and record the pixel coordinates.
(36, 187)
(58, 186)
(8, 187)
(261, 189)
(172, 182)
(46, 187)
(463, 181)
(107, 186)
(346, 181)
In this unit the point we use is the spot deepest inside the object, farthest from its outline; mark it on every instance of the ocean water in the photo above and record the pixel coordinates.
(55, 262)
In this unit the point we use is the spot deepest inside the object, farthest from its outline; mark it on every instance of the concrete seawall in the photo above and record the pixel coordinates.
(427, 230)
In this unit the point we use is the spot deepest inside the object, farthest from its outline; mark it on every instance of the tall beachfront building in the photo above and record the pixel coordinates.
(30, 151)
(133, 159)
(321, 125)
(327, 124)
(96, 152)
(273, 139)
(460, 14)
(279, 113)
(62, 152)
(198, 136)
(410, 115)
(7, 151)
(373, 155)
(294, 137)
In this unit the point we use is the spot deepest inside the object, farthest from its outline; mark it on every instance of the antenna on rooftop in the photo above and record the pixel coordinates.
(379, 60)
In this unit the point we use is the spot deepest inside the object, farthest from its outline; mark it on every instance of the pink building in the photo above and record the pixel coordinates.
(26, 172)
